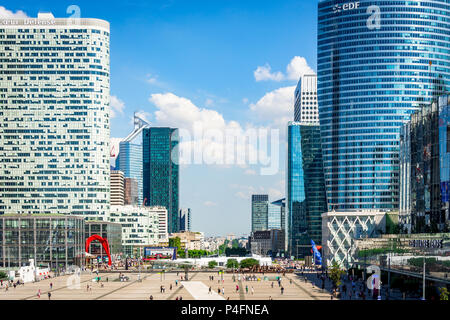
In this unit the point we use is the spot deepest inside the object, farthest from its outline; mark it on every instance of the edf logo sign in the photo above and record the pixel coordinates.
(346, 7)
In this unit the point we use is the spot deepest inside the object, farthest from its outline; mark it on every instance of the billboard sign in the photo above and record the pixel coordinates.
(160, 253)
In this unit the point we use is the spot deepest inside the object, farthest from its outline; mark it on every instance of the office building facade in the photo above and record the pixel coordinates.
(117, 188)
(131, 192)
(54, 111)
(267, 243)
(140, 226)
(425, 148)
(260, 212)
(129, 161)
(306, 197)
(276, 212)
(378, 61)
(54, 240)
(185, 219)
(161, 172)
(306, 103)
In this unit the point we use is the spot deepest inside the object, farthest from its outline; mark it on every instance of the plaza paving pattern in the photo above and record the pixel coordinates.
(150, 285)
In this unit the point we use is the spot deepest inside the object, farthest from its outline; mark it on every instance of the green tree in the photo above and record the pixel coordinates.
(212, 264)
(232, 264)
(181, 254)
(3, 275)
(335, 274)
(249, 263)
(443, 294)
(175, 242)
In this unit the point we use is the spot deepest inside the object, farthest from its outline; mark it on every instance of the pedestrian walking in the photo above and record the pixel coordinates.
(39, 293)
(253, 291)
(49, 295)
(282, 290)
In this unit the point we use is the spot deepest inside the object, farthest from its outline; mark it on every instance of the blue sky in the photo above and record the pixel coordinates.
(201, 56)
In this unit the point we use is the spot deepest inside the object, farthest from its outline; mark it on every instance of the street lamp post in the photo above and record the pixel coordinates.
(424, 280)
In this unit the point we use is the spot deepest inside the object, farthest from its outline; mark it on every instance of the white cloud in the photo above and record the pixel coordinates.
(8, 14)
(208, 132)
(116, 106)
(295, 69)
(210, 204)
(264, 73)
(152, 79)
(146, 116)
(276, 106)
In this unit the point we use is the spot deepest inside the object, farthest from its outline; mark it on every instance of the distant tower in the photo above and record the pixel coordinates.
(161, 172)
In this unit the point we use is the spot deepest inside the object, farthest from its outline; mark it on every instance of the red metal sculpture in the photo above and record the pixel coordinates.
(104, 243)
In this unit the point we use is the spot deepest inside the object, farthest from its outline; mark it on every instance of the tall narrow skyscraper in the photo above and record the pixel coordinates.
(260, 212)
(161, 172)
(305, 194)
(54, 116)
(378, 61)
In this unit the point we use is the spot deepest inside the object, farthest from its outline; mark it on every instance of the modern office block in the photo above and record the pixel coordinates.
(129, 161)
(275, 219)
(305, 194)
(306, 103)
(54, 115)
(260, 212)
(54, 240)
(131, 191)
(140, 226)
(425, 145)
(378, 61)
(185, 219)
(267, 243)
(117, 188)
(161, 172)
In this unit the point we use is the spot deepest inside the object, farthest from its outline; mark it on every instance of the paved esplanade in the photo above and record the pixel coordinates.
(167, 286)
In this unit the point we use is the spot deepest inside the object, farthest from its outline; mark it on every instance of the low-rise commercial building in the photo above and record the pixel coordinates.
(190, 240)
(140, 226)
(53, 240)
(268, 242)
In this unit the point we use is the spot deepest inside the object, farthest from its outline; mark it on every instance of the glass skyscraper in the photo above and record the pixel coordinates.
(306, 197)
(275, 219)
(260, 211)
(54, 116)
(161, 172)
(377, 62)
(129, 161)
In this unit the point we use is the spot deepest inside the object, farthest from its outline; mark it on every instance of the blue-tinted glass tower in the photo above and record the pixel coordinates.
(129, 161)
(161, 172)
(377, 62)
(306, 197)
